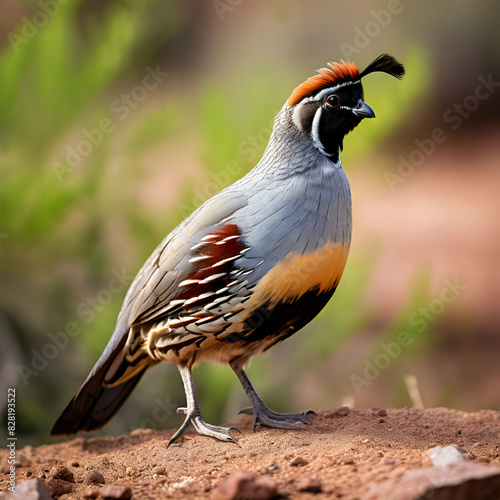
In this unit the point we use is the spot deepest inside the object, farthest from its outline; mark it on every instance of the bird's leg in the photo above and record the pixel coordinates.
(193, 414)
(262, 414)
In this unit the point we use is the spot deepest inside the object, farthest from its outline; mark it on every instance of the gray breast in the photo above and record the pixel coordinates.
(299, 214)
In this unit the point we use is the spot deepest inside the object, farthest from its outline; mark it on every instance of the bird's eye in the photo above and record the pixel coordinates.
(333, 100)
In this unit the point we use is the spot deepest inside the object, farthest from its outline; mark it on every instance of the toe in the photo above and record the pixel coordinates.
(246, 411)
(220, 433)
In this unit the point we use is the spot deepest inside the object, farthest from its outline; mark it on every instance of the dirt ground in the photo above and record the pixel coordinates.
(344, 454)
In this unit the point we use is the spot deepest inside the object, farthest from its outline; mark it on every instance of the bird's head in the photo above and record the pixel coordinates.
(327, 106)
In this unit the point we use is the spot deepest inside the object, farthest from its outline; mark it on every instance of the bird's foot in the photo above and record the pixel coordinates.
(202, 427)
(263, 415)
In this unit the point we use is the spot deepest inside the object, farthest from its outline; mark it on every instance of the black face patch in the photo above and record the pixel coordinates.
(337, 121)
(349, 95)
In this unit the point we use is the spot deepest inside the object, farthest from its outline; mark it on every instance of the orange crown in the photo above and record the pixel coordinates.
(326, 77)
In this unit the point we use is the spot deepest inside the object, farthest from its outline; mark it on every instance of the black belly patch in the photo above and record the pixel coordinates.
(282, 319)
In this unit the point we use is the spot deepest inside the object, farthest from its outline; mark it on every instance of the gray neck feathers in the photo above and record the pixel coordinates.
(290, 151)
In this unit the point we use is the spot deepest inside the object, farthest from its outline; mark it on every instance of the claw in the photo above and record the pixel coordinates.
(262, 414)
(202, 427)
(193, 415)
(247, 411)
(180, 431)
(265, 416)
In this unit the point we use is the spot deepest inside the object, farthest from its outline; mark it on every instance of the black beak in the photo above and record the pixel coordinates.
(363, 110)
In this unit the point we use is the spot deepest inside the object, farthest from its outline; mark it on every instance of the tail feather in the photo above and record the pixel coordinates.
(96, 401)
(89, 412)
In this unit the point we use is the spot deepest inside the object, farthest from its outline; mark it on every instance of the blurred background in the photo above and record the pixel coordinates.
(119, 118)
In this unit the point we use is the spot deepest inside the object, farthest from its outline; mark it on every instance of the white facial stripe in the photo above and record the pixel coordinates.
(295, 116)
(330, 90)
(315, 131)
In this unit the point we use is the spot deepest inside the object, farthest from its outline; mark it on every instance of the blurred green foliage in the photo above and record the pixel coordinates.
(69, 227)
(55, 213)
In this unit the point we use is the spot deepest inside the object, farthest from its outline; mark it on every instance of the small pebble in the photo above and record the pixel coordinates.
(343, 411)
(388, 461)
(113, 492)
(382, 413)
(74, 463)
(61, 472)
(312, 485)
(186, 485)
(442, 456)
(245, 484)
(299, 462)
(158, 470)
(58, 487)
(93, 477)
(271, 468)
(31, 488)
(92, 493)
(140, 431)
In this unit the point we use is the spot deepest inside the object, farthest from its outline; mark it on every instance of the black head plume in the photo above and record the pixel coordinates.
(385, 63)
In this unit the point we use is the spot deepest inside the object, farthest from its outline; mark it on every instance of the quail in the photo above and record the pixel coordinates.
(247, 269)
